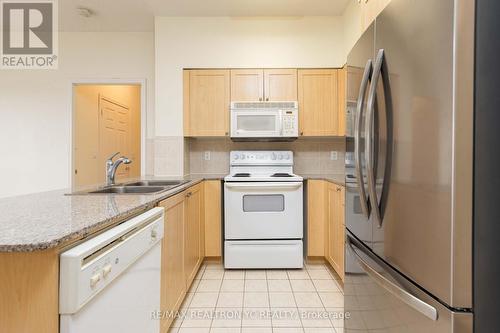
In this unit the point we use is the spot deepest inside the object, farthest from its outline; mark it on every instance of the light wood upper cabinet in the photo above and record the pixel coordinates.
(193, 233)
(263, 85)
(247, 85)
(213, 218)
(173, 280)
(335, 241)
(280, 84)
(206, 102)
(342, 101)
(318, 102)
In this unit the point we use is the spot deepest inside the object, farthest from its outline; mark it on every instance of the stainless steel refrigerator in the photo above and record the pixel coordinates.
(409, 170)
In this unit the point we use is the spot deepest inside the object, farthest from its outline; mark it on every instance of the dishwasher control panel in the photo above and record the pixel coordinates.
(87, 268)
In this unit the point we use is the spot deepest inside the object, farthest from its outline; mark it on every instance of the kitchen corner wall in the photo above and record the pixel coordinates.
(311, 156)
(228, 42)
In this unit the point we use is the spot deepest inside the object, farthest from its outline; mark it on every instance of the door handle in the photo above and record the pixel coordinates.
(369, 148)
(380, 70)
(357, 138)
(414, 302)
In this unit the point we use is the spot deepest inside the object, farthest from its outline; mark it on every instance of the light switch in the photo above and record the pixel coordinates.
(334, 155)
(207, 155)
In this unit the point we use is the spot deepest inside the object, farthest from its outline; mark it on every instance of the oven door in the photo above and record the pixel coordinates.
(263, 210)
(256, 123)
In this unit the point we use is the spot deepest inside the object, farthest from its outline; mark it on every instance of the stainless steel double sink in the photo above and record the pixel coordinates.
(138, 187)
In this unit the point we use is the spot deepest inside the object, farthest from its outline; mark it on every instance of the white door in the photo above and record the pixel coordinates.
(263, 210)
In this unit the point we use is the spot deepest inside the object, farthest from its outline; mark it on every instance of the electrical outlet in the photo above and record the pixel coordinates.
(207, 155)
(334, 155)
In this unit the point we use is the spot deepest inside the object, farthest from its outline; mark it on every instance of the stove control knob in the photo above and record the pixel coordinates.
(273, 156)
(287, 157)
(242, 156)
(236, 156)
(280, 157)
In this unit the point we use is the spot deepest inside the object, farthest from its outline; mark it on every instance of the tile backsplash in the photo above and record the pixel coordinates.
(311, 155)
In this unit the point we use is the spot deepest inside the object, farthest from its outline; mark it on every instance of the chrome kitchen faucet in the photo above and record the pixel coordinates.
(112, 166)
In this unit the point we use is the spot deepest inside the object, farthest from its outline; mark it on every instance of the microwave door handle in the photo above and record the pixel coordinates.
(414, 302)
(357, 138)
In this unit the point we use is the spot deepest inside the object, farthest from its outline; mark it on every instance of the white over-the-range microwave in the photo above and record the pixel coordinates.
(264, 120)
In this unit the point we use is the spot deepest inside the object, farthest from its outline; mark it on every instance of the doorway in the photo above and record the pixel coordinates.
(107, 120)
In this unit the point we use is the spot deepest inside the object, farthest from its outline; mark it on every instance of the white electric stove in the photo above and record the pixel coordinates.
(263, 202)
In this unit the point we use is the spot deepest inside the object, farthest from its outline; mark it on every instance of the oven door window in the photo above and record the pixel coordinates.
(264, 203)
(256, 123)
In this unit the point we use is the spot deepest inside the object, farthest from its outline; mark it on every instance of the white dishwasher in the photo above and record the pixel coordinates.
(111, 283)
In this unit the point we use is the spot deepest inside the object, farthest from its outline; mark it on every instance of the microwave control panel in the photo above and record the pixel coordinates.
(290, 123)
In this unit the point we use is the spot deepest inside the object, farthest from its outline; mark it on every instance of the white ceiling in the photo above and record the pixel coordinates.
(138, 15)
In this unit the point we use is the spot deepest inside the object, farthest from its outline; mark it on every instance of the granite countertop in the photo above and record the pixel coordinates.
(338, 179)
(46, 220)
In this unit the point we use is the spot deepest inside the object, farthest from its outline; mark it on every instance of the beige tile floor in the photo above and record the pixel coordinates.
(262, 301)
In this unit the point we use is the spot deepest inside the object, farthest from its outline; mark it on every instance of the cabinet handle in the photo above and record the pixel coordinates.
(302, 133)
(260, 99)
(189, 194)
(226, 134)
(338, 189)
(267, 99)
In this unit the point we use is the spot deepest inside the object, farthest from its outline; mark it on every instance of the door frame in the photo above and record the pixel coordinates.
(113, 81)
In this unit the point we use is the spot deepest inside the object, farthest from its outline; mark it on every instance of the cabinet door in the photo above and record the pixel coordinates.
(342, 100)
(206, 102)
(247, 85)
(316, 217)
(213, 218)
(318, 102)
(280, 84)
(173, 282)
(193, 232)
(335, 244)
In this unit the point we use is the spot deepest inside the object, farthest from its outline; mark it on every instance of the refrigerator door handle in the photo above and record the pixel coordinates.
(357, 138)
(414, 302)
(369, 149)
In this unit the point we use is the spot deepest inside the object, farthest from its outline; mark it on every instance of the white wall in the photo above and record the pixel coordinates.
(352, 25)
(35, 106)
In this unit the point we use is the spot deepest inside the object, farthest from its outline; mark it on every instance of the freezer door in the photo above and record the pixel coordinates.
(419, 147)
(379, 299)
(359, 71)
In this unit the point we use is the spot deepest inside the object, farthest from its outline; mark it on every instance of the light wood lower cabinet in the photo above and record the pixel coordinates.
(173, 281)
(316, 217)
(335, 235)
(29, 292)
(183, 247)
(325, 222)
(193, 232)
(213, 218)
